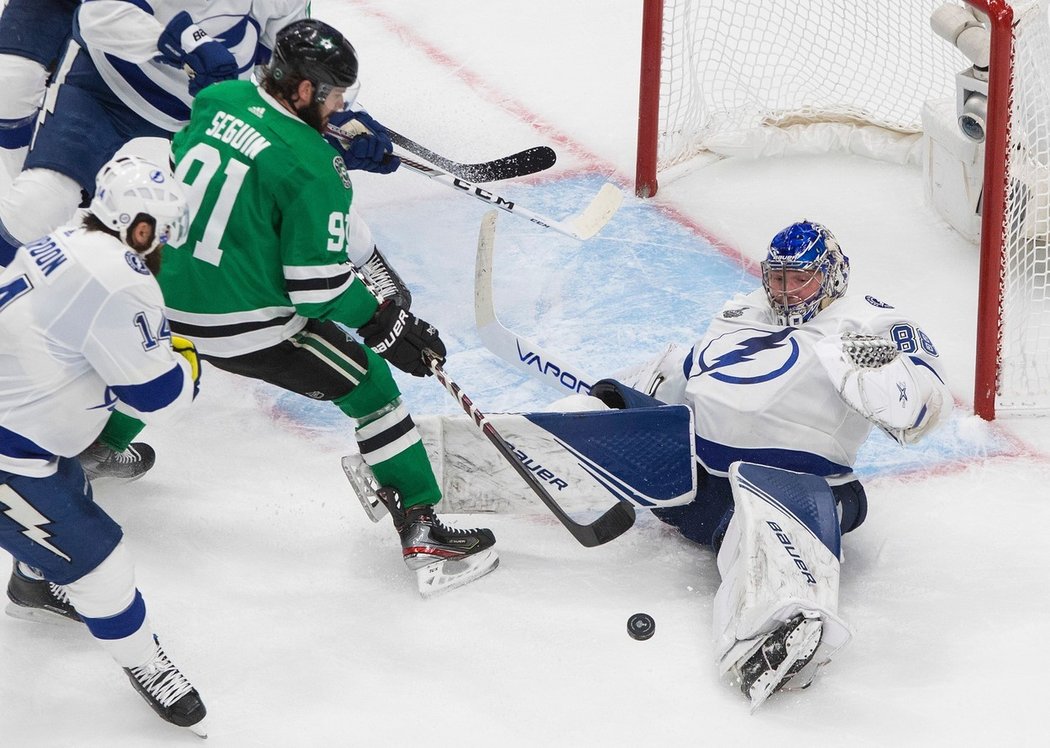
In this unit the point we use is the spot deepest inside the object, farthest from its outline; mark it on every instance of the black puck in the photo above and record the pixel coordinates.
(641, 626)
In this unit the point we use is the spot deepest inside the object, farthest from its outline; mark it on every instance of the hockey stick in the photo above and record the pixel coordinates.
(519, 164)
(616, 520)
(523, 354)
(581, 226)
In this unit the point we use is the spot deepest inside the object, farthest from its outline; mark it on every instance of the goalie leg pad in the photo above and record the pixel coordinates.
(779, 564)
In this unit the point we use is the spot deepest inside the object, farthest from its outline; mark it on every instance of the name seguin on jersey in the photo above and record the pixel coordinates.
(238, 134)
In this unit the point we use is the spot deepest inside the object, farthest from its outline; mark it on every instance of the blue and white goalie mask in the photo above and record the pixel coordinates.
(804, 271)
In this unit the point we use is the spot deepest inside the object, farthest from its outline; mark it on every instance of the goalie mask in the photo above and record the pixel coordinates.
(804, 271)
(129, 188)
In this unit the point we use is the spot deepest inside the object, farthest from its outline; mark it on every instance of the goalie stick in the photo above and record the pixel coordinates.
(613, 523)
(521, 353)
(520, 164)
(580, 226)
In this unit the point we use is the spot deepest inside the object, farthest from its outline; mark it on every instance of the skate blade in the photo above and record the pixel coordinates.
(442, 576)
(39, 615)
(200, 729)
(800, 648)
(365, 486)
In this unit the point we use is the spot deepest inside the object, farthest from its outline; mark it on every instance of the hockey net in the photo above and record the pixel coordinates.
(769, 77)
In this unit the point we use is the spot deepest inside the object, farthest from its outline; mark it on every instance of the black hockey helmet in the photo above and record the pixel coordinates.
(312, 50)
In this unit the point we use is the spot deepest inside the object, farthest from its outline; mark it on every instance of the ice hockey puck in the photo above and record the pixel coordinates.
(641, 626)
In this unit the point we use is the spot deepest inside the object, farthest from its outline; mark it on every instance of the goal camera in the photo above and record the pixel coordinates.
(973, 116)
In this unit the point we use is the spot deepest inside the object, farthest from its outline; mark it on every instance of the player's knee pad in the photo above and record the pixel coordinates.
(38, 201)
(106, 590)
(376, 390)
(780, 557)
(24, 82)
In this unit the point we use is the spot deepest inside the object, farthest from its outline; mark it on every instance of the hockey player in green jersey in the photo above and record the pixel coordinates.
(276, 256)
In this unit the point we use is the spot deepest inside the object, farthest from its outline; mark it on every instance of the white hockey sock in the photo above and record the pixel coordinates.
(113, 610)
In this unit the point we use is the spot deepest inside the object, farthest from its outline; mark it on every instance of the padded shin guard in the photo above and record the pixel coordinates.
(780, 557)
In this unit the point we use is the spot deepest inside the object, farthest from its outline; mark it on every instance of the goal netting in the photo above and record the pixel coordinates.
(768, 77)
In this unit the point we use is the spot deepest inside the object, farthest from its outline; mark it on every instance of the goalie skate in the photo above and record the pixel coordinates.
(779, 657)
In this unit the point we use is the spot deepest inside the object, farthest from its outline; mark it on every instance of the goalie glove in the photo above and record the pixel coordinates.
(401, 337)
(900, 394)
(188, 351)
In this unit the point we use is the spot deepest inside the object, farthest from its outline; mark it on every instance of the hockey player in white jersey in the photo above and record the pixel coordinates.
(786, 385)
(83, 331)
(131, 71)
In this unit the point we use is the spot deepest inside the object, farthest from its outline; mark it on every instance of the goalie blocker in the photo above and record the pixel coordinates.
(775, 612)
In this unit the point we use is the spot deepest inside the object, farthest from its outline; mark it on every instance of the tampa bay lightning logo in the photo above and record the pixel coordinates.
(137, 263)
(748, 356)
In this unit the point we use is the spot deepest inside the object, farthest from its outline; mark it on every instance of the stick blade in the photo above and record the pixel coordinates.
(523, 163)
(611, 525)
(590, 221)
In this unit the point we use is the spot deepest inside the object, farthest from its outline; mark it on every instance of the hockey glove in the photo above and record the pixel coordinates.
(400, 337)
(185, 43)
(188, 351)
(368, 151)
(904, 398)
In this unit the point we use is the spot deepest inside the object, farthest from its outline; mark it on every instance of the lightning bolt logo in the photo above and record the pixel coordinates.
(747, 350)
(23, 513)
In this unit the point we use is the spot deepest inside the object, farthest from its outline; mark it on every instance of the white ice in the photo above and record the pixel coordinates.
(298, 621)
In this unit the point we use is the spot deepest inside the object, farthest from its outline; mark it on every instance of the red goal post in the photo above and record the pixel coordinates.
(718, 77)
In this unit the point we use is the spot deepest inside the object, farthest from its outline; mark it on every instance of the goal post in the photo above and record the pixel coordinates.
(769, 77)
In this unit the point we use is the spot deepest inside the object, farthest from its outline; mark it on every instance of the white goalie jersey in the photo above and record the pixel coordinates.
(802, 398)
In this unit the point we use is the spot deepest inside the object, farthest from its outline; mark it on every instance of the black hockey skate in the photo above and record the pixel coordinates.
(442, 557)
(781, 655)
(100, 461)
(168, 692)
(33, 598)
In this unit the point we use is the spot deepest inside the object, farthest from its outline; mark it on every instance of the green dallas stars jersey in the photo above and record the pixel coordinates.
(269, 199)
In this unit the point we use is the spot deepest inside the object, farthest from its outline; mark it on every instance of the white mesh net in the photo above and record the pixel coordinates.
(731, 67)
(748, 76)
(1024, 360)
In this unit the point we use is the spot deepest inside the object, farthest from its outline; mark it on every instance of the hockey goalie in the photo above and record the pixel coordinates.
(784, 387)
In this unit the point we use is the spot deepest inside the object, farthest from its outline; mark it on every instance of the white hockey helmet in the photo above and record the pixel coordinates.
(129, 186)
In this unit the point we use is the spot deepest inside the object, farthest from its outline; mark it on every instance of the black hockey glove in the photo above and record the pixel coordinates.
(400, 337)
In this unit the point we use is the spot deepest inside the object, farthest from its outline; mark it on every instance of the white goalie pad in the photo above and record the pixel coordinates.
(644, 455)
(779, 559)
